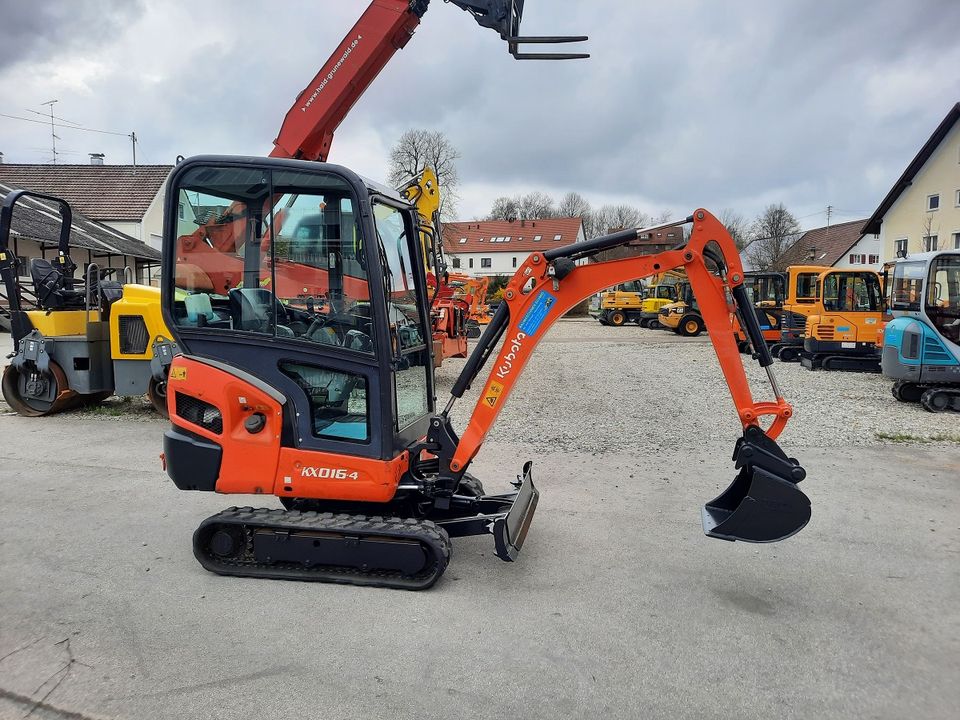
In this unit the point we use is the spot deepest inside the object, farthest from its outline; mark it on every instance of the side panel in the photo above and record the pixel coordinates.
(137, 301)
(61, 322)
(326, 476)
(249, 463)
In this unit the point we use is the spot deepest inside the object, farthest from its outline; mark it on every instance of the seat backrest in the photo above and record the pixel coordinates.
(250, 308)
(198, 305)
(48, 284)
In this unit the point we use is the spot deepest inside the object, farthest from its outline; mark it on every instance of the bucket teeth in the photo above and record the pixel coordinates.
(763, 503)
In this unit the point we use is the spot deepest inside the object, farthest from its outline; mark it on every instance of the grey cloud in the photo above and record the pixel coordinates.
(39, 29)
(695, 102)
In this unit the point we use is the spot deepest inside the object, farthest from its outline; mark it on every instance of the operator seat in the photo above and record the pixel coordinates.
(51, 288)
(250, 309)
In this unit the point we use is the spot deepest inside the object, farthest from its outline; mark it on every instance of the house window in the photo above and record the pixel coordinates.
(514, 262)
(957, 203)
(536, 238)
(557, 237)
(486, 262)
(933, 202)
(463, 241)
(456, 263)
(900, 247)
(929, 243)
(180, 210)
(471, 263)
(956, 241)
(856, 259)
(874, 259)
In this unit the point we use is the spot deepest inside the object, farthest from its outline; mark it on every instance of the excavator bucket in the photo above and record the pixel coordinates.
(763, 503)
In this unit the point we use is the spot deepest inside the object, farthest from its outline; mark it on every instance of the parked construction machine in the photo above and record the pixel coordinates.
(635, 302)
(332, 408)
(797, 306)
(683, 316)
(841, 329)
(766, 291)
(921, 344)
(78, 345)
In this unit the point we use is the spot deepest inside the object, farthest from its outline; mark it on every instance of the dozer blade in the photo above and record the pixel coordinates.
(763, 503)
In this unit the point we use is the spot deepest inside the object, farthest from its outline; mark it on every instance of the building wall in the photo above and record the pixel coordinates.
(501, 263)
(868, 247)
(907, 217)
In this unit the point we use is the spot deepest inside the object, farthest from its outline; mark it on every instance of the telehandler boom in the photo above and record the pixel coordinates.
(333, 409)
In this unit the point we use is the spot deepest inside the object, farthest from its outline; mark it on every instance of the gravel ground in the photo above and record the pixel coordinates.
(629, 387)
(649, 390)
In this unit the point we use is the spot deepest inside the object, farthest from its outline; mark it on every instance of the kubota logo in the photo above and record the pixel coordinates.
(514, 347)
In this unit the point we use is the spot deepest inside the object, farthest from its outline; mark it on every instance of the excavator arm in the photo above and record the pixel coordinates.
(763, 504)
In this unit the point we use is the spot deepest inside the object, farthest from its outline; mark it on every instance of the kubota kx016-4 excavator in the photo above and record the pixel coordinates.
(307, 133)
(332, 408)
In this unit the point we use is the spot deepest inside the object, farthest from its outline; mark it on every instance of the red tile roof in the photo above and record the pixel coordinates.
(828, 244)
(510, 235)
(101, 192)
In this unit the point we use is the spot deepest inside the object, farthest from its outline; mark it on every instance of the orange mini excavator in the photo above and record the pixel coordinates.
(332, 408)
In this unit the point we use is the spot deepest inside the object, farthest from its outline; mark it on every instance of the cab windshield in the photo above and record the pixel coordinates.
(852, 292)
(907, 286)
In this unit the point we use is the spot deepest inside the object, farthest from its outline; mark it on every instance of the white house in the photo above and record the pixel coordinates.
(499, 247)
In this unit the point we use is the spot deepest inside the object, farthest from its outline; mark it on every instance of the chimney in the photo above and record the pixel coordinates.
(96, 158)
(1, 158)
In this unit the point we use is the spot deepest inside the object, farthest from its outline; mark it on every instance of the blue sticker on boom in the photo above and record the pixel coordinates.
(537, 313)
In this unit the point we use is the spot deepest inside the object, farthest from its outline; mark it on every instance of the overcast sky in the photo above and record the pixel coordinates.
(685, 103)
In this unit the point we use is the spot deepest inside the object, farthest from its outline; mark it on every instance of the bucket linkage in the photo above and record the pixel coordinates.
(763, 503)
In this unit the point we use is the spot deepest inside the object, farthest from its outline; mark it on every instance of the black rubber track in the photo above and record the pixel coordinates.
(433, 540)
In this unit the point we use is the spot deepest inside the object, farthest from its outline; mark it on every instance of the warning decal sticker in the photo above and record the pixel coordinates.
(494, 390)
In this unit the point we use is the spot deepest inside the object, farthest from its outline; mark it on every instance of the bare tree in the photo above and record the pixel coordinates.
(772, 234)
(737, 225)
(929, 231)
(536, 206)
(573, 204)
(504, 208)
(615, 217)
(419, 149)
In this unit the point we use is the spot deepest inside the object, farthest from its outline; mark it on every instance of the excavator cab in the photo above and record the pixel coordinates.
(348, 349)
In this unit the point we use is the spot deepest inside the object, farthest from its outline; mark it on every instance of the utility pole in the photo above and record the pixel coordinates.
(53, 134)
(829, 213)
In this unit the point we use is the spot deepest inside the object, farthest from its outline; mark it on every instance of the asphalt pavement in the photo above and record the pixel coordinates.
(618, 606)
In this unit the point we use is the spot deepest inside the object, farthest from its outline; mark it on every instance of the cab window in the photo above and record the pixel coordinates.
(907, 286)
(275, 253)
(943, 296)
